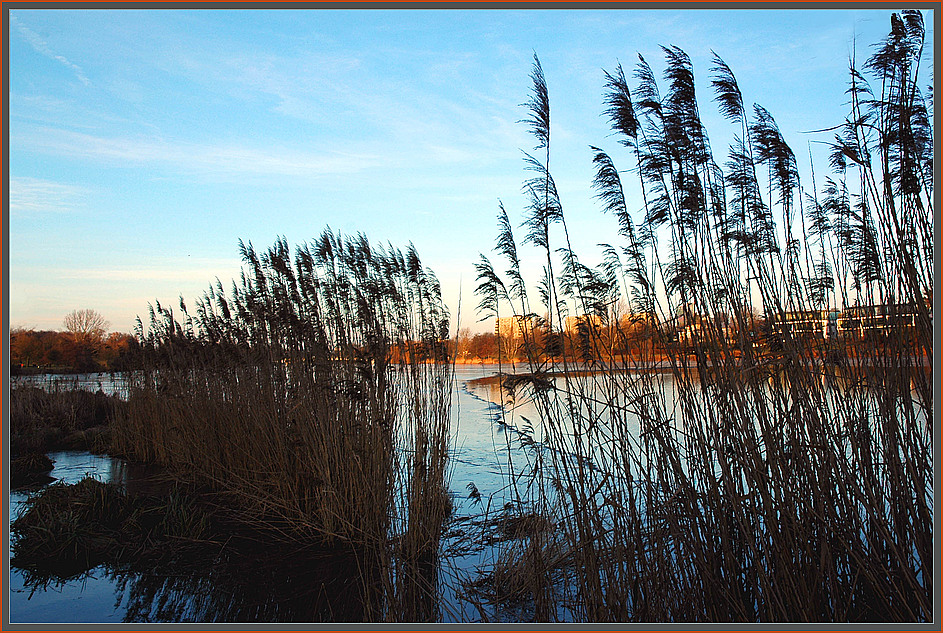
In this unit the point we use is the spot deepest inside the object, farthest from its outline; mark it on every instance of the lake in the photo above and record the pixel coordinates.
(493, 447)
(479, 462)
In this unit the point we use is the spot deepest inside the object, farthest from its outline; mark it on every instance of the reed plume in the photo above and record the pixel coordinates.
(777, 472)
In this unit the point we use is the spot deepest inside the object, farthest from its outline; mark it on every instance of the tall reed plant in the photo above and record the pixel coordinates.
(315, 394)
(772, 474)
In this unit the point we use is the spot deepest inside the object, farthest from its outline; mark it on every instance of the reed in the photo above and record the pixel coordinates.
(311, 396)
(771, 475)
(66, 530)
(59, 417)
(175, 555)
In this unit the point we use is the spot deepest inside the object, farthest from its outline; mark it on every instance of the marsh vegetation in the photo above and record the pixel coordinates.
(307, 409)
(308, 396)
(771, 484)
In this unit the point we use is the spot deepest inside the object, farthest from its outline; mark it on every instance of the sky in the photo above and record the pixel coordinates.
(144, 144)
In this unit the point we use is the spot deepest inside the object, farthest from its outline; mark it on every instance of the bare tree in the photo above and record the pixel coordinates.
(87, 326)
(463, 343)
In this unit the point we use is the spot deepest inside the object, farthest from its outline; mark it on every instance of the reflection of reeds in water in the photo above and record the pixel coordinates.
(305, 394)
(248, 584)
(781, 477)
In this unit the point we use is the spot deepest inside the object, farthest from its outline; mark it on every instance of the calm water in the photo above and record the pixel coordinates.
(111, 384)
(490, 443)
(88, 598)
(103, 596)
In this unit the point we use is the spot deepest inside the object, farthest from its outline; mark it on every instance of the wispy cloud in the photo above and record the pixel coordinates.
(337, 93)
(33, 195)
(189, 157)
(201, 271)
(40, 46)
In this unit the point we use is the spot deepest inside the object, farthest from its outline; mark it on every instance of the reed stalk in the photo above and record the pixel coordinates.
(771, 474)
(316, 397)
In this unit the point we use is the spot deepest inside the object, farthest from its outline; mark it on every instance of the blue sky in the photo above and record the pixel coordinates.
(145, 143)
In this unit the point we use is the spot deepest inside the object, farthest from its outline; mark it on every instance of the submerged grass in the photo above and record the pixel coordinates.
(787, 477)
(179, 556)
(29, 470)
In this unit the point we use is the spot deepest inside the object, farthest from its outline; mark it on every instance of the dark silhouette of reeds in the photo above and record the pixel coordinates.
(59, 417)
(311, 396)
(772, 475)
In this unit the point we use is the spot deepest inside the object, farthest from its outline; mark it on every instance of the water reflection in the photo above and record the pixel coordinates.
(249, 582)
(109, 383)
(240, 578)
(87, 598)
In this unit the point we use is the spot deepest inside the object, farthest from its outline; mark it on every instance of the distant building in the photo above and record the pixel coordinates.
(636, 319)
(572, 324)
(518, 335)
(691, 334)
(852, 322)
(515, 327)
(860, 320)
(805, 323)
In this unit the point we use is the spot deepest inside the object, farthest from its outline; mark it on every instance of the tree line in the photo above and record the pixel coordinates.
(83, 345)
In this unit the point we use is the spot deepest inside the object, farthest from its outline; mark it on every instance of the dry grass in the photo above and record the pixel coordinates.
(59, 418)
(305, 397)
(752, 483)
